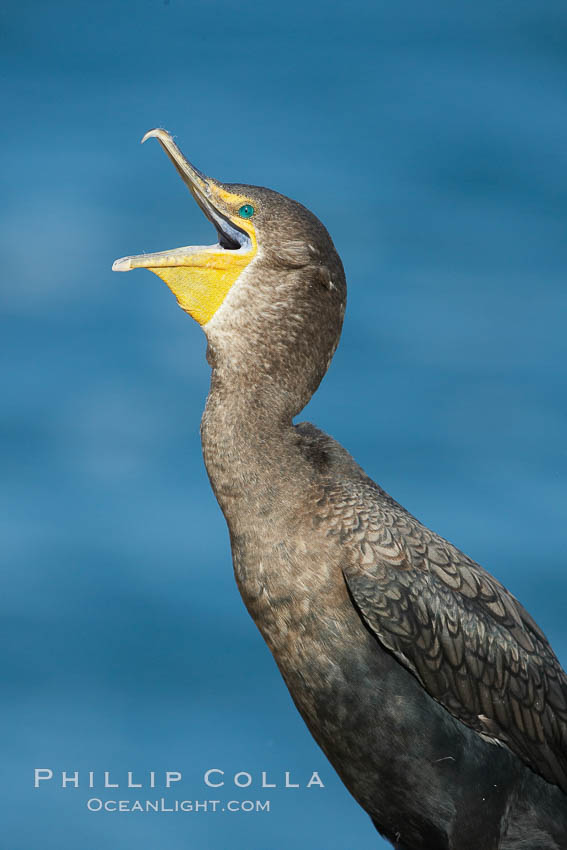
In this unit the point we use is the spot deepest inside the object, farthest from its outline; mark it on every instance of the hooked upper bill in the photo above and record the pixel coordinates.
(200, 276)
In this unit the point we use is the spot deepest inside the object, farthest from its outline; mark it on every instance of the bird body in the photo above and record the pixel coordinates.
(428, 780)
(431, 690)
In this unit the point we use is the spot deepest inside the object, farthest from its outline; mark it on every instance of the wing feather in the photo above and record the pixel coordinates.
(459, 631)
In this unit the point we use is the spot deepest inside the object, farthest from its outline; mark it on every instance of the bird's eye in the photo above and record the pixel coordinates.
(246, 211)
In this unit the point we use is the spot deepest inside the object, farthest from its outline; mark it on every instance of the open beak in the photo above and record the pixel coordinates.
(204, 190)
(200, 275)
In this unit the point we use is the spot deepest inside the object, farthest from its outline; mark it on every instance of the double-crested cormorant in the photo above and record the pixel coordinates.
(431, 690)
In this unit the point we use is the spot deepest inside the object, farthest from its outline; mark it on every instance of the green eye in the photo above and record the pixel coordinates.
(246, 211)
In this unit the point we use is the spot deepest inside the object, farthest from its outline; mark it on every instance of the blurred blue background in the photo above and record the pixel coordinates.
(431, 138)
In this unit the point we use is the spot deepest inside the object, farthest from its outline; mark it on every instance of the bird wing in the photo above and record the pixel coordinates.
(471, 644)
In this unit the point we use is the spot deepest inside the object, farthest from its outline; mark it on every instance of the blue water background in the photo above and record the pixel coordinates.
(431, 138)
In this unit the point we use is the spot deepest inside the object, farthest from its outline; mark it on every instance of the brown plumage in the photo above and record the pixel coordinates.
(432, 691)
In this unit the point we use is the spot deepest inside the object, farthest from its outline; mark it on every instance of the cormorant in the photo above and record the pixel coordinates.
(429, 687)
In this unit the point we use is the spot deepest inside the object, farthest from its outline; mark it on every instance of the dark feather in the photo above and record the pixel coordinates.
(466, 638)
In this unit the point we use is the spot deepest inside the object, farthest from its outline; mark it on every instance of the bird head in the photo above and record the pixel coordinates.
(273, 279)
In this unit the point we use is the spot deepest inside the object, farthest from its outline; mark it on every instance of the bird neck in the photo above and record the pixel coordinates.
(249, 447)
(269, 346)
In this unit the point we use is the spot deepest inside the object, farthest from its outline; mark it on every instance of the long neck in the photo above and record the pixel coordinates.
(250, 448)
(269, 346)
